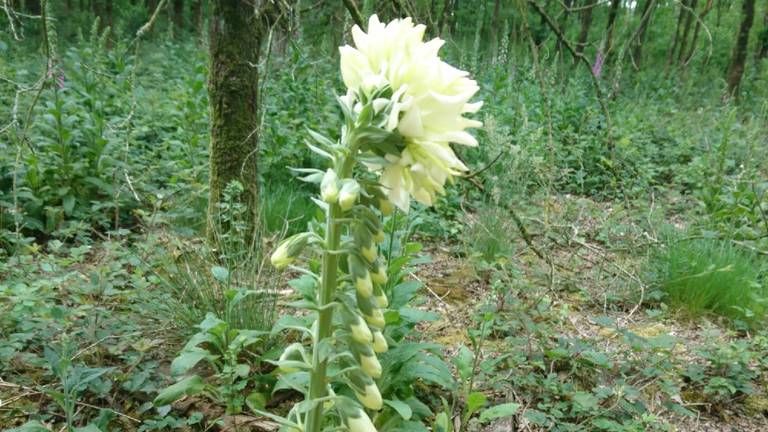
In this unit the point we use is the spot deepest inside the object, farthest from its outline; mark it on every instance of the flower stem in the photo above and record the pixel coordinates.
(318, 384)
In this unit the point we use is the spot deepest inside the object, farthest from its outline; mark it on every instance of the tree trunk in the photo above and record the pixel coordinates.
(586, 23)
(690, 13)
(178, 17)
(637, 53)
(736, 68)
(612, 13)
(695, 38)
(762, 40)
(495, 31)
(233, 83)
(563, 22)
(673, 47)
(197, 16)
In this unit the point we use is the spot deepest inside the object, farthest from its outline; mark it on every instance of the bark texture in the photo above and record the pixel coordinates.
(736, 68)
(233, 83)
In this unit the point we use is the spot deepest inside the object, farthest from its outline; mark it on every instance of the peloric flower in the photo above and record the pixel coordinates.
(429, 100)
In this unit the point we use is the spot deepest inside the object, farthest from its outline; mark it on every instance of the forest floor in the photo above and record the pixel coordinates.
(575, 331)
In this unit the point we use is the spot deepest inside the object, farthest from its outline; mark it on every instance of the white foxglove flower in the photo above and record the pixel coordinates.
(288, 250)
(429, 100)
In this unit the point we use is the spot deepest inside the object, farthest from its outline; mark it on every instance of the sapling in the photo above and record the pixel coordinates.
(403, 108)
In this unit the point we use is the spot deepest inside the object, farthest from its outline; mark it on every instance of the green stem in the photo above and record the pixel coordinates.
(329, 270)
(318, 384)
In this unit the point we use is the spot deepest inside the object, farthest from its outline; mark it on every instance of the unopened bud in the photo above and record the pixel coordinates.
(380, 275)
(360, 422)
(379, 343)
(329, 187)
(379, 298)
(371, 397)
(376, 318)
(350, 190)
(288, 250)
(360, 331)
(371, 366)
(360, 276)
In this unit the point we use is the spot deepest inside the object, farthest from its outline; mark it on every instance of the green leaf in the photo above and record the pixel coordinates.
(402, 408)
(256, 401)
(475, 401)
(499, 411)
(89, 428)
(220, 273)
(189, 386)
(187, 360)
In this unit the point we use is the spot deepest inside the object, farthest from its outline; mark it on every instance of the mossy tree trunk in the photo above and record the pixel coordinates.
(736, 68)
(236, 32)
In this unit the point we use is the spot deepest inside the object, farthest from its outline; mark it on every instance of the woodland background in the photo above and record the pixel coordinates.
(603, 267)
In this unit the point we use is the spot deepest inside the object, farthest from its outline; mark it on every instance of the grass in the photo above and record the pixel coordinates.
(709, 276)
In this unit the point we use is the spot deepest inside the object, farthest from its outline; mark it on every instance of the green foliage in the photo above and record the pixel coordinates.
(710, 276)
(229, 278)
(228, 351)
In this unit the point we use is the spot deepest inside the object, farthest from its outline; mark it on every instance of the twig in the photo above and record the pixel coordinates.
(354, 12)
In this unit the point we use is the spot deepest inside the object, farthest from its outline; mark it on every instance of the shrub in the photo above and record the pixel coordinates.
(703, 276)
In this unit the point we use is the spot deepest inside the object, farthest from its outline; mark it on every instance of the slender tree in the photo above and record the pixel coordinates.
(237, 28)
(586, 23)
(177, 17)
(689, 14)
(695, 38)
(613, 12)
(637, 43)
(739, 57)
(762, 40)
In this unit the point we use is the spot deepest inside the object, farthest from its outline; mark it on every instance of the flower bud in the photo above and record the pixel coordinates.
(380, 275)
(371, 397)
(371, 366)
(379, 343)
(288, 250)
(360, 331)
(376, 318)
(370, 252)
(379, 299)
(350, 190)
(329, 187)
(360, 276)
(379, 236)
(360, 422)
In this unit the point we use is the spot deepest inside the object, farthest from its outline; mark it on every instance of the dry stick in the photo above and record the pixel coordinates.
(354, 12)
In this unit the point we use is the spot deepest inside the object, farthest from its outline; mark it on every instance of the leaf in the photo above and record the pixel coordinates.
(89, 428)
(463, 362)
(187, 360)
(189, 386)
(401, 407)
(220, 273)
(256, 401)
(499, 411)
(475, 401)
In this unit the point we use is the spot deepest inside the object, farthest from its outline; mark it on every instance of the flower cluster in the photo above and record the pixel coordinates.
(429, 98)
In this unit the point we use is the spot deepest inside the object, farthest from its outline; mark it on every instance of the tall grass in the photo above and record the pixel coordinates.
(229, 275)
(709, 276)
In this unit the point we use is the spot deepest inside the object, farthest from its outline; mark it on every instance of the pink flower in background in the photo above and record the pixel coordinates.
(597, 68)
